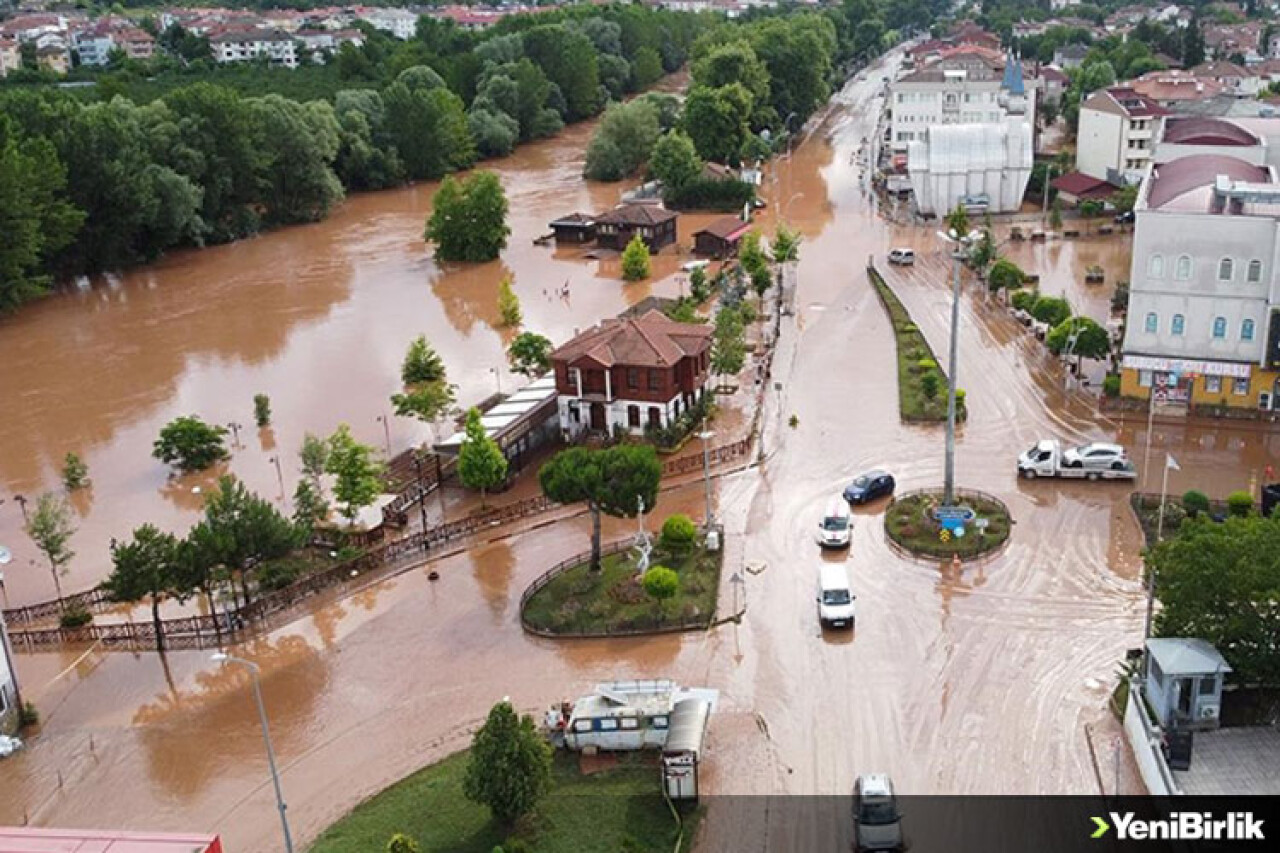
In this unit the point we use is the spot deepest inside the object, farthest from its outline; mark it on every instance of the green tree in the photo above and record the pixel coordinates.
(75, 474)
(661, 584)
(646, 67)
(1218, 581)
(699, 286)
(529, 354)
(570, 62)
(190, 444)
(958, 221)
(1053, 310)
(243, 531)
(509, 766)
(1124, 198)
(428, 402)
(481, 463)
(614, 481)
(421, 363)
(314, 456)
(50, 528)
(298, 144)
(401, 843)
(1090, 209)
(309, 505)
(675, 161)
(635, 260)
(736, 63)
(469, 219)
(718, 121)
(357, 474)
(623, 140)
(1192, 43)
(262, 410)
(786, 244)
(1005, 274)
(508, 304)
(36, 219)
(929, 381)
(428, 129)
(1091, 339)
(678, 533)
(728, 345)
(144, 567)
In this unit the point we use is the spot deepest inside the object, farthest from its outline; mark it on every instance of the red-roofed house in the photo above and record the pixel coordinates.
(655, 225)
(631, 373)
(28, 840)
(1075, 187)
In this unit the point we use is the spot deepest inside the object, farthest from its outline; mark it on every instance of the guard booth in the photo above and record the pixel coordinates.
(683, 750)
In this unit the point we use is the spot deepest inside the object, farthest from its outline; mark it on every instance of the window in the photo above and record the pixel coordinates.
(1207, 686)
(1226, 268)
(582, 725)
(655, 416)
(1152, 324)
(1144, 378)
(659, 722)
(633, 377)
(630, 723)
(655, 379)
(1155, 267)
(1213, 384)
(608, 725)
(1219, 327)
(1183, 270)
(1178, 323)
(633, 416)
(1246, 330)
(1240, 387)
(1255, 271)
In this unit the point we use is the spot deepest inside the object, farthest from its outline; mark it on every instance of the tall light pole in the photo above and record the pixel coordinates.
(279, 474)
(497, 376)
(959, 244)
(422, 494)
(386, 432)
(705, 435)
(235, 432)
(255, 672)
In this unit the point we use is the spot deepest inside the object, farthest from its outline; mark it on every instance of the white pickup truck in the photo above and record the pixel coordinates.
(1096, 461)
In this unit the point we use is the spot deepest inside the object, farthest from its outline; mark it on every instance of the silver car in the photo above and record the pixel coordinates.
(1096, 455)
(876, 823)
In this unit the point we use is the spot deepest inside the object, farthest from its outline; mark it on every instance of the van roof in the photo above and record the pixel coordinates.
(838, 507)
(833, 576)
(876, 785)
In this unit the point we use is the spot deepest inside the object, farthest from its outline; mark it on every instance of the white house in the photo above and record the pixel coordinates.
(93, 44)
(1116, 134)
(246, 45)
(1202, 325)
(961, 88)
(10, 55)
(400, 23)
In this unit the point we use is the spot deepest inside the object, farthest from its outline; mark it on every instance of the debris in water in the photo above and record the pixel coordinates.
(9, 745)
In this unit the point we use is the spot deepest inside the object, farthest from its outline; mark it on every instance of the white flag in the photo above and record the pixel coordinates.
(1171, 463)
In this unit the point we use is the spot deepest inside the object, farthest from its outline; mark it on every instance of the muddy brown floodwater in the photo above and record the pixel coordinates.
(980, 680)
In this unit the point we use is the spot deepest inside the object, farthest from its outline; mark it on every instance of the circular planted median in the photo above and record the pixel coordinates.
(919, 524)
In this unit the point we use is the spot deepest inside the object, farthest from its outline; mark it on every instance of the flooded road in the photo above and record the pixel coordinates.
(972, 681)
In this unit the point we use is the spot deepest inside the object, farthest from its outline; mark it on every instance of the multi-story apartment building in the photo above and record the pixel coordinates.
(245, 45)
(1116, 135)
(961, 88)
(399, 22)
(1204, 308)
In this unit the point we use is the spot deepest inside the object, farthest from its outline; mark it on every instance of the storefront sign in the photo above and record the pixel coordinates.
(1159, 365)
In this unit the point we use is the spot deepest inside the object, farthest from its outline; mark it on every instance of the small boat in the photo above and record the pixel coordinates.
(622, 715)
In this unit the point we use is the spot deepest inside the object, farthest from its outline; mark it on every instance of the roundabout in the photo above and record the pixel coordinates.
(918, 523)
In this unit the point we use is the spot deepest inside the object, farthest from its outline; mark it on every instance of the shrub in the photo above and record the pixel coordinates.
(75, 616)
(262, 410)
(794, 421)
(1120, 298)
(75, 474)
(661, 584)
(1239, 503)
(929, 384)
(1111, 385)
(678, 533)
(1023, 299)
(1005, 274)
(1051, 309)
(1174, 515)
(927, 364)
(1195, 502)
(28, 716)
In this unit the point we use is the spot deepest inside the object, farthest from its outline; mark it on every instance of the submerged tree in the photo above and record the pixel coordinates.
(51, 529)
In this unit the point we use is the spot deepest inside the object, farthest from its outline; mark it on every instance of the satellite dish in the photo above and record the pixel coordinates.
(6, 556)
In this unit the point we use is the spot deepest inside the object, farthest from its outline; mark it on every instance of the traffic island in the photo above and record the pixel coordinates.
(917, 523)
(571, 600)
(620, 808)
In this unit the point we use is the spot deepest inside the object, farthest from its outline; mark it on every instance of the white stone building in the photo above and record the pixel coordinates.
(1203, 291)
(962, 88)
(246, 45)
(399, 22)
(1116, 136)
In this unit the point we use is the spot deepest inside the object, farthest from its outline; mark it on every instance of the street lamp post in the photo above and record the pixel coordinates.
(422, 494)
(386, 432)
(497, 376)
(960, 243)
(279, 475)
(235, 432)
(22, 504)
(705, 435)
(255, 672)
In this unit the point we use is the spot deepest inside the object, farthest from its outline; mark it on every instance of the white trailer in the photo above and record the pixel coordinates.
(1048, 459)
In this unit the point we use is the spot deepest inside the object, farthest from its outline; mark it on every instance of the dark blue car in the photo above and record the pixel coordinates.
(869, 486)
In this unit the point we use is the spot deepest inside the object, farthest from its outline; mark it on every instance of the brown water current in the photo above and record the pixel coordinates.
(978, 680)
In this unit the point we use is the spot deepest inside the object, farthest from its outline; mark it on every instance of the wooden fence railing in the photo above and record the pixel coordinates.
(199, 632)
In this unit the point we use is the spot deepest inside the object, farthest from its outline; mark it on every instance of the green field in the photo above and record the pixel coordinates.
(614, 811)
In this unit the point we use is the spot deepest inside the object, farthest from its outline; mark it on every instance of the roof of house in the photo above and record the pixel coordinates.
(717, 172)
(1182, 177)
(1081, 185)
(573, 219)
(1121, 100)
(1048, 72)
(1194, 130)
(1186, 656)
(726, 228)
(1220, 68)
(650, 340)
(1175, 86)
(637, 214)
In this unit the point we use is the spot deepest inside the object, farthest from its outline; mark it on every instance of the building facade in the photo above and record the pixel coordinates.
(631, 373)
(276, 47)
(655, 225)
(963, 88)
(9, 710)
(10, 56)
(1117, 133)
(1202, 324)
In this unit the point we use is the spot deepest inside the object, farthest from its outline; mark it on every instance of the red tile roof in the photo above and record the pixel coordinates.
(1176, 178)
(1081, 185)
(637, 214)
(651, 340)
(726, 228)
(1207, 131)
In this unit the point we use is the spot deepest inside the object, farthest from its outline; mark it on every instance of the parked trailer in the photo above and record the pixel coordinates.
(1046, 460)
(683, 749)
(622, 715)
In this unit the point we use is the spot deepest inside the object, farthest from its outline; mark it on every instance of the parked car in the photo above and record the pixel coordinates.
(1097, 454)
(869, 486)
(836, 526)
(1125, 218)
(877, 825)
(690, 266)
(835, 600)
(902, 257)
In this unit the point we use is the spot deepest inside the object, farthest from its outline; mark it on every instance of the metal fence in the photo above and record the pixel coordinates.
(190, 632)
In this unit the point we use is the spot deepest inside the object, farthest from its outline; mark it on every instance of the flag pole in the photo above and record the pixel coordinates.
(1151, 575)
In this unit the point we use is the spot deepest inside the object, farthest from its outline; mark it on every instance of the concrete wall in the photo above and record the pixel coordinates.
(1098, 143)
(1144, 740)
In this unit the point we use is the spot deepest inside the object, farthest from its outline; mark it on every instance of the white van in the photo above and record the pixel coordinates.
(835, 601)
(902, 257)
(836, 526)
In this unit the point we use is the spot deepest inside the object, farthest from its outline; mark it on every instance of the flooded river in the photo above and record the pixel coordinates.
(978, 680)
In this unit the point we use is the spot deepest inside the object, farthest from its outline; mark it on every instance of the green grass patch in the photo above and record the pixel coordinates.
(581, 601)
(909, 522)
(621, 809)
(916, 362)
